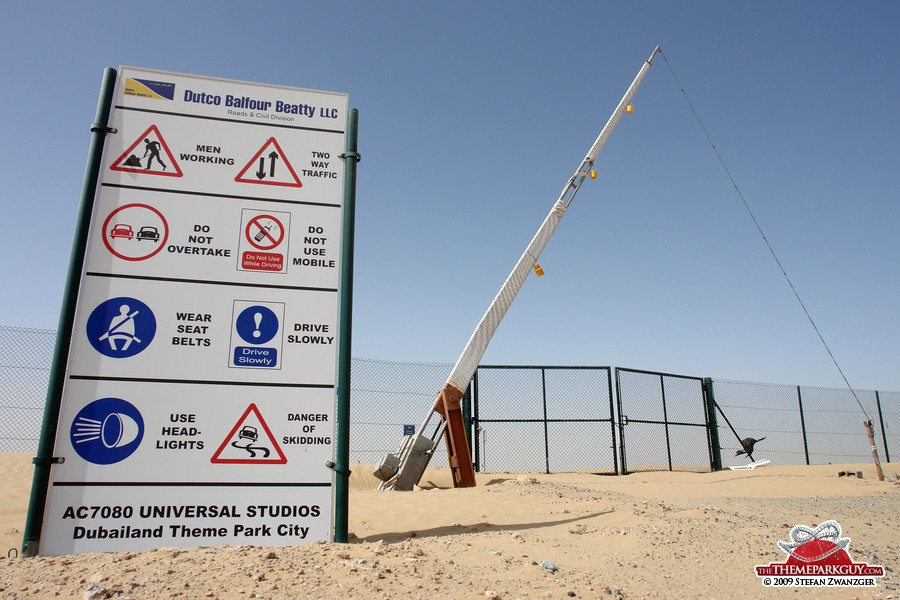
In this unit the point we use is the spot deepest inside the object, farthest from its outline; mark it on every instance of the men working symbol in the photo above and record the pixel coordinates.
(121, 327)
(152, 148)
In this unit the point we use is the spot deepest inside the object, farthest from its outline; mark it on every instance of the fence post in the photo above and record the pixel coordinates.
(803, 425)
(662, 388)
(34, 520)
(467, 416)
(709, 399)
(622, 420)
(612, 419)
(887, 455)
(476, 429)
(546, 437)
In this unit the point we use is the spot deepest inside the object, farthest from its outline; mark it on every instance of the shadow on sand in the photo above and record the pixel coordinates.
(455, 529)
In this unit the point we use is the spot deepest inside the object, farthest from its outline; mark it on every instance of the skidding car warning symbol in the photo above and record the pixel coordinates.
(250, 441)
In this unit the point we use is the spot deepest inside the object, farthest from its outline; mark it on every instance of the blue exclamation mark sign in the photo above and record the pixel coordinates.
(256, 325)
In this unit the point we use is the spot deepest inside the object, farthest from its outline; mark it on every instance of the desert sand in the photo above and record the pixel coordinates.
(515, 535)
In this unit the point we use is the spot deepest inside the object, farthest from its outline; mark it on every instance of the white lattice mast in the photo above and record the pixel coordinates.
(404, 469)
(471, 356)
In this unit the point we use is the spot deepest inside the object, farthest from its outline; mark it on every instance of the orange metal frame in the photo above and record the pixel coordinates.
(449, 407)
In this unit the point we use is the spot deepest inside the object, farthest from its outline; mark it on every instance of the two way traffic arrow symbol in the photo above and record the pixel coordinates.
(261, 172)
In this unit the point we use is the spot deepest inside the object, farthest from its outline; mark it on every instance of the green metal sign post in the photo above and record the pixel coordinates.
(45, 457)
(342, 442)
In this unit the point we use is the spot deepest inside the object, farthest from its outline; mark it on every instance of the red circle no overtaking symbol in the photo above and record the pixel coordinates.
(256, 232)
(161, 240)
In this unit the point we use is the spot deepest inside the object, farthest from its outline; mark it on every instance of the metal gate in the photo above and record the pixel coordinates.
(541, 418)
(663, 422)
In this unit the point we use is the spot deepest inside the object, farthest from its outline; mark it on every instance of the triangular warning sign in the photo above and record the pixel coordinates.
(148, 154)
(269, 166)
(249, 442)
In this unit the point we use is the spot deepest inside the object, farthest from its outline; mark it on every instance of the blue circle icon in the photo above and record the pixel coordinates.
(256, 325)
(107, 431)
(121, 327)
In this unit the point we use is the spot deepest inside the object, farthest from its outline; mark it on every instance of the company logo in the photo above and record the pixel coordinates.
(145, 88)
(818, 558)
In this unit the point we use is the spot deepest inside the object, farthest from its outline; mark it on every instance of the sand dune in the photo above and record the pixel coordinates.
(531, 535)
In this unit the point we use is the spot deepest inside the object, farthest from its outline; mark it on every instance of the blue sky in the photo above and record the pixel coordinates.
(472, 118)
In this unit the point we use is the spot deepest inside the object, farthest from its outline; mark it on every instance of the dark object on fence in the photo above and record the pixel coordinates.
(748, 444)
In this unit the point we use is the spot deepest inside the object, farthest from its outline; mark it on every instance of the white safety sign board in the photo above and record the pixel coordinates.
(200, 389)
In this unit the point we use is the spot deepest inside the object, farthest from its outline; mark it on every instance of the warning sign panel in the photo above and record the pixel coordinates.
(269, 166)
(201, 376)
(250, 441)
(148, 154)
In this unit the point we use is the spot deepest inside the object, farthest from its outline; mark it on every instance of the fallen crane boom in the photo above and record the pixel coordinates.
(404, 469)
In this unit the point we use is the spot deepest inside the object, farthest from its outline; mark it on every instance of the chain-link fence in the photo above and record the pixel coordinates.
(889, 409)
(666, 422)
(807, 425)
(387, 396)
(663, 422)
(25, 359)
(544, 418)
(550, 418)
